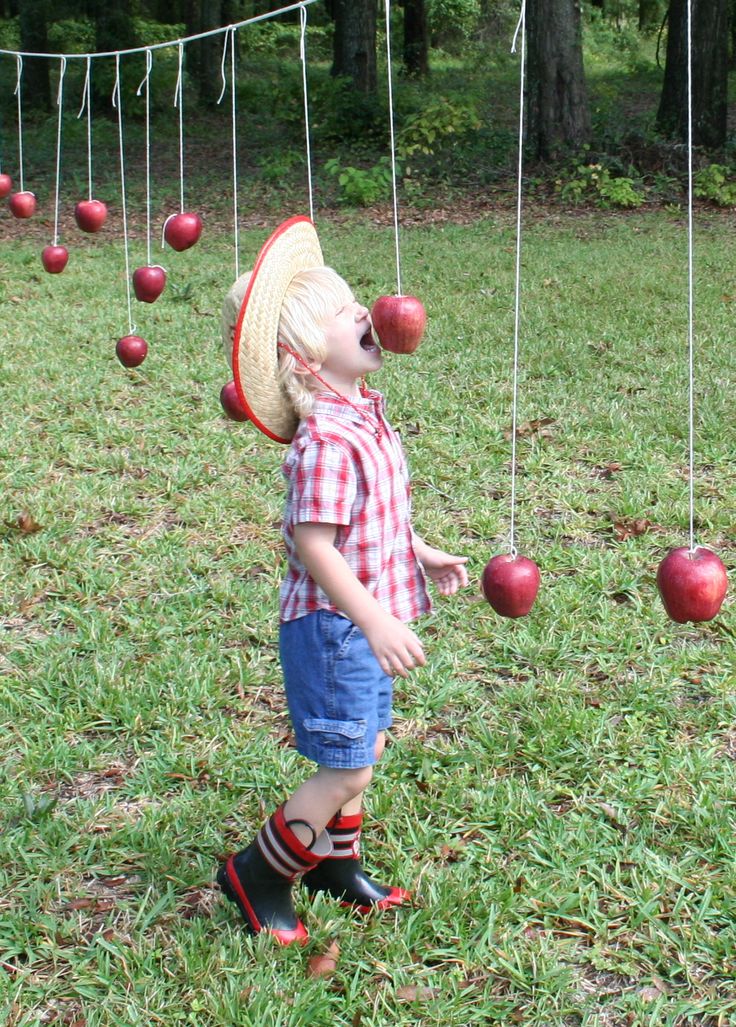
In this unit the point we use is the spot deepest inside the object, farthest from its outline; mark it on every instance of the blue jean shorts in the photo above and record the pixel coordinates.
(338, 696)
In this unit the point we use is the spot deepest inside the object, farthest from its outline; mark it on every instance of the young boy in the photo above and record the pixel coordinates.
(302, 346)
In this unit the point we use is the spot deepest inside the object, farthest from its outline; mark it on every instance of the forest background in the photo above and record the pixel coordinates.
(605, 91)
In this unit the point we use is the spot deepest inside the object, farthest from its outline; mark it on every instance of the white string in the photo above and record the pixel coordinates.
(222, 69)
(520, 29)
(690, 298)
(170, 42)
(233, 107)
(230, 41)
(87, 104)
(145, 83)
(117, 102)
(60, 105)
(393, 145)
(18, 93)
(179, 102)
(303, 55)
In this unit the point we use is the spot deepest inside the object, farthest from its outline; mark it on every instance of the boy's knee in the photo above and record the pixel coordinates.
(360, 779)
(380, 745)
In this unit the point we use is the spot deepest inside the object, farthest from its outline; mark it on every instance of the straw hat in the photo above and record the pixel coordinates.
(250, 324)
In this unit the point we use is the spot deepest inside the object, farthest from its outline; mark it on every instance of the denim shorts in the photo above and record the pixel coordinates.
(338, 696)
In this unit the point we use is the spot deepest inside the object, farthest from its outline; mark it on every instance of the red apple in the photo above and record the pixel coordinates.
(399, 322)
(510, 584)
(90, 215)
(182, 230)
(54, 259)
(231, 403)
(131, 350)
(149, 282)
(22, 205)
(692, 586)
(6, 184)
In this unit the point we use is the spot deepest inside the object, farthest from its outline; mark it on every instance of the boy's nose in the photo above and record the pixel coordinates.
(360, 312)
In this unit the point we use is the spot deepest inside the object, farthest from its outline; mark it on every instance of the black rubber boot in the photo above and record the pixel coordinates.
(347, 881)
(262, 892)
(342, 876)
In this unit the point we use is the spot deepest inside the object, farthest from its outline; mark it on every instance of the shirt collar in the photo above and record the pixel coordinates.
(371, 401)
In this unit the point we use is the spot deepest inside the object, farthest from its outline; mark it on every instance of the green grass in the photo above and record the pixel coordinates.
(558, 792)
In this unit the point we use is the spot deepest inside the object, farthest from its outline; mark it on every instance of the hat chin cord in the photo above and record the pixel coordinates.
(374, 422)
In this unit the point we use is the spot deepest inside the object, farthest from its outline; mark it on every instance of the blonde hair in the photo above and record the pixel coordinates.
(311, 300)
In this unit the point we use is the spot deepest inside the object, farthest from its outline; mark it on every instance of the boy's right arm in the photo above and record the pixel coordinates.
(394, 644)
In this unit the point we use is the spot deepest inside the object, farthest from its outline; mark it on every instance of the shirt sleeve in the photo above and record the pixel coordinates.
(324, 484)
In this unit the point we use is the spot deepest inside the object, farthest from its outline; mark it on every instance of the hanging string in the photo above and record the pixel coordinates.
(303, 55)
(146, 84)
(18, 93)
(60, 105)
(170, 42)
(393, 145)
(87, 105)
(230, 41)
(117, 102)
(520, 30)
(690, 298)
(179, 102)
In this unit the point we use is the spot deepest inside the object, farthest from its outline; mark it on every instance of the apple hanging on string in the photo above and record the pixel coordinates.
(510, 584)
(6, 184)
(399, 322)
(22, 205)
(149, 282)
(131, 350)
(182, 230)
(692, 585)
(54, 259)
(231, 403)
(90, 215)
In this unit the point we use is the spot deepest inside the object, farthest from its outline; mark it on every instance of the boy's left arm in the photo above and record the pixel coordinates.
(446, 571)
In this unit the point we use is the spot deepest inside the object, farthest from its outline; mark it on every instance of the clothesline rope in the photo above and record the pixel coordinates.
(169, 42)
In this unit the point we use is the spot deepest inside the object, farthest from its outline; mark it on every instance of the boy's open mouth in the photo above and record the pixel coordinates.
(368, 342)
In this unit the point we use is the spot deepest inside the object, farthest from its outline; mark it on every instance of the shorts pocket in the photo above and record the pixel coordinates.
(335, 732)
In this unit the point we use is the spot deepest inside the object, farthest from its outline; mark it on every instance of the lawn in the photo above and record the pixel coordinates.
(558, 790)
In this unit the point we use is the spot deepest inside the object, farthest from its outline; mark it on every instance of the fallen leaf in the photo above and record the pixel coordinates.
(324, 964)
(613, 816)
(27, 524)
(625, 528)
(416, 993)
(534, 427)
(650, 994)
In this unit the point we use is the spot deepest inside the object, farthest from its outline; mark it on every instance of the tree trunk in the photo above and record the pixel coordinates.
(354, 47)
(559, 115)
(33, 38)
(650, 15)
(709, 73)
(416, 39)
(205, 55)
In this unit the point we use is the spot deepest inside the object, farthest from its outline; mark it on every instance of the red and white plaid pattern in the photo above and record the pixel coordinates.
(338, 472)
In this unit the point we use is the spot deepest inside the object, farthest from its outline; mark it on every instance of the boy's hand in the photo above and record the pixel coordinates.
(395, 646)
(446, 571)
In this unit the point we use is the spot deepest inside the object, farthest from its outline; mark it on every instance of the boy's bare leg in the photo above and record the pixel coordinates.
(329, 792)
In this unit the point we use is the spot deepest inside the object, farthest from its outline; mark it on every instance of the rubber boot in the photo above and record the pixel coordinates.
(341, 875)
(259, 879)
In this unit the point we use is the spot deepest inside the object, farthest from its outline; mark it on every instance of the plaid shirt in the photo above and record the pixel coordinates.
(338, 472)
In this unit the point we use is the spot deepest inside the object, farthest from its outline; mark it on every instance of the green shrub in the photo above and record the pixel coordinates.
(595, 182)
(714, 183)
(361, 187)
